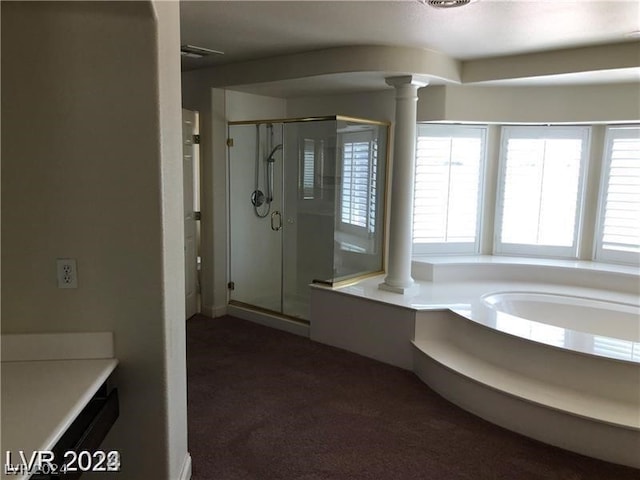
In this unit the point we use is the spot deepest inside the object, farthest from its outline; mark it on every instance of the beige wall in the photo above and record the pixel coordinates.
(90, 170)
(589, 60)
(379, 106)
(246, 106)
(534, 104)
(169, 110)
(356, 59)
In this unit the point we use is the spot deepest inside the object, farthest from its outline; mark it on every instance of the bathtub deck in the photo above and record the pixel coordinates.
(462, 293)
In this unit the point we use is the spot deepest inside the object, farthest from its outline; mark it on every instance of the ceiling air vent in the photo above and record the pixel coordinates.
(192, 51)
(446, 3)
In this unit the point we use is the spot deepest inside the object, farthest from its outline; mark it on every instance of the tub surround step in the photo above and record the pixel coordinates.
(589, 406)
(576, 401)
(571, 432)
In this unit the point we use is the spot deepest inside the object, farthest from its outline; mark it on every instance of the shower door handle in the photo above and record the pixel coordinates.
(275, 226)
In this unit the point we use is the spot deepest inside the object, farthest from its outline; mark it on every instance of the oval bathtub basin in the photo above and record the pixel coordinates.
(598, 317)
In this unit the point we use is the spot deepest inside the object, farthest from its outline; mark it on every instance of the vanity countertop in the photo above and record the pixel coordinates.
(42, 397)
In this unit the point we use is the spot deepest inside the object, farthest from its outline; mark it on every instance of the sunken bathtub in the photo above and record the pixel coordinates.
(559, 368)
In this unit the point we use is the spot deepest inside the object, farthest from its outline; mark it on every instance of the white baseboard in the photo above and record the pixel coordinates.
(214, 311)
(207, 310)
(268, 320)
(185, 473)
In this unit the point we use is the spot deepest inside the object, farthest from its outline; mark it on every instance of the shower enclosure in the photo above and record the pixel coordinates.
(306, 204)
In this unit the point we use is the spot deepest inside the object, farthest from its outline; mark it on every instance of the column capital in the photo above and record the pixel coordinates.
(405, 80)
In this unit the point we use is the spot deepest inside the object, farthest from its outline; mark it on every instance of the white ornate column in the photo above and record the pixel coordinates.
(398, 277)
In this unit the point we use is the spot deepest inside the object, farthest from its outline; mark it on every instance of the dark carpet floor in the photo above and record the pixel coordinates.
(265, 404)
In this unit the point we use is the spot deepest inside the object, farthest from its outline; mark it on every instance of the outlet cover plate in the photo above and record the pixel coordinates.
(67, 272)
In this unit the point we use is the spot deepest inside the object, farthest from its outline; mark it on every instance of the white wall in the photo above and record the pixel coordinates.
(534, 104)
(373, 106)
(350, 59)
(586, 62)
(245, 106)
(91, 170)
(169, 109)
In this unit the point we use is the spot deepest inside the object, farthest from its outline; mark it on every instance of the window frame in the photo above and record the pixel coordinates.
(542, 132)
(457, 248)
(599, 253)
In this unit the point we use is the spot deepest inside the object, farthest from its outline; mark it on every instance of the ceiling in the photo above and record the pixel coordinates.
(251, 30)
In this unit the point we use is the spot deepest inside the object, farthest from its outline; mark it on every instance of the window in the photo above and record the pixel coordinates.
(311, 165)
(359, 177)
(616, 348)
(448, 188)
(618, 233)
(540, 190)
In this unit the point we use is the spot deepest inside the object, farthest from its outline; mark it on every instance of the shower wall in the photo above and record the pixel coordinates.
(310, 194)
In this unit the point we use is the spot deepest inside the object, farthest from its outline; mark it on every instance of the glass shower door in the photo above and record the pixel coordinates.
(255, 208)
(306, 205)
(309, 193)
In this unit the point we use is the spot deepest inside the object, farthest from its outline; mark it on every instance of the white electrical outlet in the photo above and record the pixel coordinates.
(67, 273)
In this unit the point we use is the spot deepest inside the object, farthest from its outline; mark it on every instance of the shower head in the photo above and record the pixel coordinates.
(270, 158)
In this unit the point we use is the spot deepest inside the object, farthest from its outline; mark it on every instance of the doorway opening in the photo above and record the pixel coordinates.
(191, 202)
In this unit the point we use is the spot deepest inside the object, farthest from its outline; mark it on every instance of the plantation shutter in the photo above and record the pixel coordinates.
(308, 169)
(449, 164)
(359, 175)
(619, 233)
(542, 171)
(616, 348)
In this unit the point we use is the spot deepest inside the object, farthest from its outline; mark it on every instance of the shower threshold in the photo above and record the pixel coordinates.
(269, 318)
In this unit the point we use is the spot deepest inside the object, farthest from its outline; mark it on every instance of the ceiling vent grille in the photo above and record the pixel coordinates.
(446, 3)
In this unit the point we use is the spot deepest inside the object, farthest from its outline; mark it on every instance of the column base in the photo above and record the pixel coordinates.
(412, 289)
